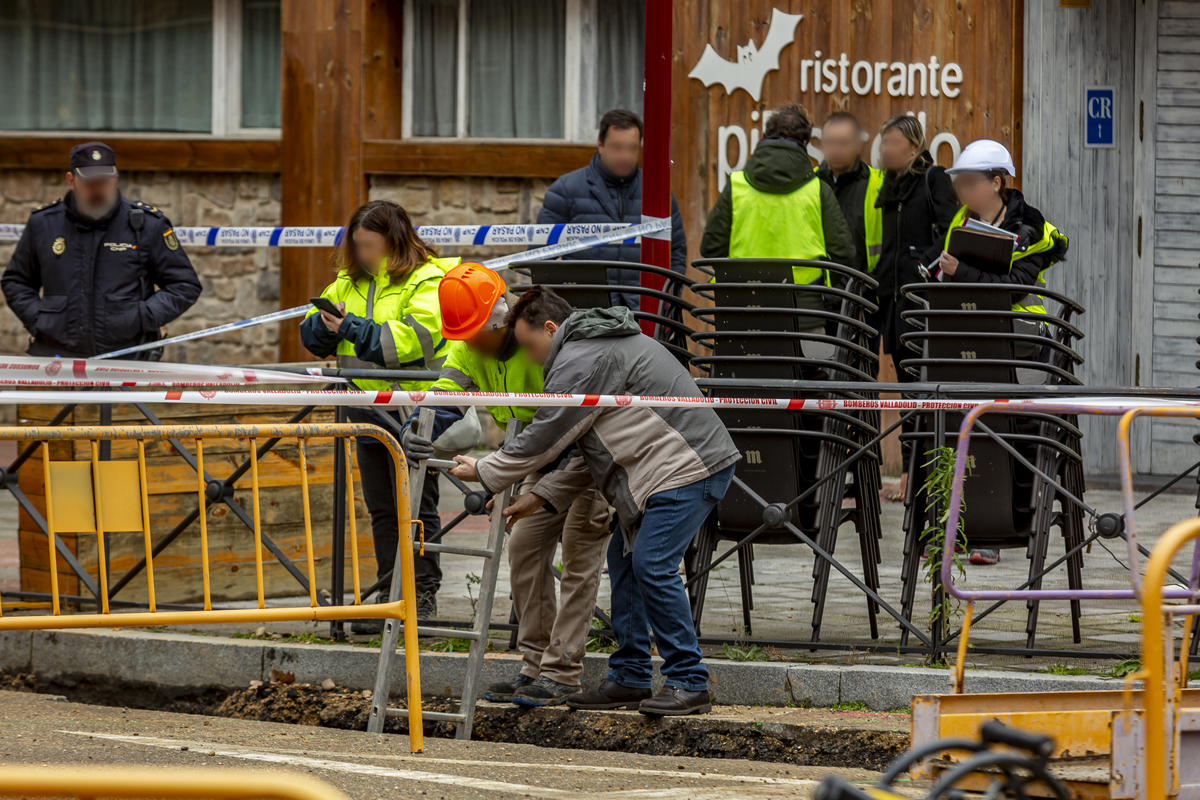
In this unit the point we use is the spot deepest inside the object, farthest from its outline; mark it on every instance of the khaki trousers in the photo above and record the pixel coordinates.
(553, 640)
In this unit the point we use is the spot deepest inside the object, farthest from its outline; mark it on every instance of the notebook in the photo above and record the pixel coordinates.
(982, 246)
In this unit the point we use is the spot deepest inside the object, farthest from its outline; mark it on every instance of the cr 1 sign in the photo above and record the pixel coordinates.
(1099, 122)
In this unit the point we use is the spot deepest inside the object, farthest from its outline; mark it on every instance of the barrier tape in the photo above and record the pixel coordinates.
(331, 236)
(33, 371)
(553, 251)
(391, 398)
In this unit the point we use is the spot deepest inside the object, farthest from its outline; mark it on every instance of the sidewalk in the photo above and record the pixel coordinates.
(782, 610)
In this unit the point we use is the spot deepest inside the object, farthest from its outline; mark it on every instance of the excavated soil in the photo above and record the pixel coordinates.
(717, 736)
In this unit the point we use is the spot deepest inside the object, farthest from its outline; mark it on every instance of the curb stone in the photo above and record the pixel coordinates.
(183, 660)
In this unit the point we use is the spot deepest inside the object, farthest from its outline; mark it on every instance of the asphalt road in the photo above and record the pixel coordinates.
(43, 730)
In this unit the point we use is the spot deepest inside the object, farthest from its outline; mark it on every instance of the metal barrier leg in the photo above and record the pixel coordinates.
(391, 628)
(478, 635)
(483, 609)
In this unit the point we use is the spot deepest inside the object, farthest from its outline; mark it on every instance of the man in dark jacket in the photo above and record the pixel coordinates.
(780, 212)
(609, 190)
(855, 185)
(82, 278)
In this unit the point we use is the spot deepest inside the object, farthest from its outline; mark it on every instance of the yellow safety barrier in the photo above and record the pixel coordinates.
(1157, 659)
(97, 496)
(145, 784)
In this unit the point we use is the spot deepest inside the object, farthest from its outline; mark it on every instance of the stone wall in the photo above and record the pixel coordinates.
(464, 201)
(238, 283)
(244, 282)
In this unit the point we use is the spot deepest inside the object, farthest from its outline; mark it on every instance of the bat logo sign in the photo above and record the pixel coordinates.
(753, 62)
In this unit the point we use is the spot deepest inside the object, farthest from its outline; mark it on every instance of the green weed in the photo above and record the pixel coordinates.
(1122, 668)
(938, 482)
(854, 705)
(1063, 668)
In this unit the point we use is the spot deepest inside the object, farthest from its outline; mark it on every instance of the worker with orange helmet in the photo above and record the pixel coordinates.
(485, 357)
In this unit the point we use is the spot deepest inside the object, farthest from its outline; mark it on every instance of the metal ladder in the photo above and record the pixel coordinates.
(478, 635)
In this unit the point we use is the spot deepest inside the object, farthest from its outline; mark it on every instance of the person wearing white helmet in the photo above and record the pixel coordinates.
(979, 175)
(980, 178)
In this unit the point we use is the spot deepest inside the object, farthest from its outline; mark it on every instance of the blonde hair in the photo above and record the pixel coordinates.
(911, 129)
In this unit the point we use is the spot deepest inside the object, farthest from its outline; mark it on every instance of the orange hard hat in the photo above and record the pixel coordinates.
(469, 295)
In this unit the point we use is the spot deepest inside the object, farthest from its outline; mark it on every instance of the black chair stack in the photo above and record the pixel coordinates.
(585, 284)
(969, 333)
(765, 327)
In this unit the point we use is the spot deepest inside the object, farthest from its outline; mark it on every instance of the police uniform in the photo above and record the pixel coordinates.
(83, 287)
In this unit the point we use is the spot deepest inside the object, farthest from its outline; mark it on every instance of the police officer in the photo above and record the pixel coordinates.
(95, 272)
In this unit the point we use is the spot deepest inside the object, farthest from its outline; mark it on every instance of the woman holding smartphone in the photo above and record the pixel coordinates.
(386, 292)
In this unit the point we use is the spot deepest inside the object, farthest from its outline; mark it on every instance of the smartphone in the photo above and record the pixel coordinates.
(325, 304)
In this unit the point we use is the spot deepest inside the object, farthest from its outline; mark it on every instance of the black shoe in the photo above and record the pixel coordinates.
(372, 627)
(503, 692)
(544, 692)
(426, 605)
(675, 702)
(608, 695)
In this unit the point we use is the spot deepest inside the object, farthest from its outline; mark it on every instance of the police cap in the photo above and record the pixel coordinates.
(93, 160)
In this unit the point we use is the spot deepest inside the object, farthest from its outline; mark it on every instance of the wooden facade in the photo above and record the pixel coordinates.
(1018, 76)
(984, 40)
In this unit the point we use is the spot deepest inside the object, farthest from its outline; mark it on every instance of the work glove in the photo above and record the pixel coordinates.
(416, 447)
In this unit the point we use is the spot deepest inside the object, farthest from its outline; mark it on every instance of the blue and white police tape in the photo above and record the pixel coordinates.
(652, 226)
(440, 235)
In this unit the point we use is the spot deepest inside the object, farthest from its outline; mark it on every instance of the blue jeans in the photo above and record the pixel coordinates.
(647, 591)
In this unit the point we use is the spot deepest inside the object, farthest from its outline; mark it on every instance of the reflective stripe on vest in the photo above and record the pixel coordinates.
(873, 219)
(1031, 302)
(769, 225)
(378, 299)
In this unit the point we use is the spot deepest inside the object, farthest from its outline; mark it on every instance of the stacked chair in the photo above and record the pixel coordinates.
(584, 284)
(767, 327)
(968, 333)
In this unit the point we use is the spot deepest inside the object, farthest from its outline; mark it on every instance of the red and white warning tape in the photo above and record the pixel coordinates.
(485, 399)
(32, 371)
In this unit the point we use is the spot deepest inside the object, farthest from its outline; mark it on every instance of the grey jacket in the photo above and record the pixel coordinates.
(630, 452)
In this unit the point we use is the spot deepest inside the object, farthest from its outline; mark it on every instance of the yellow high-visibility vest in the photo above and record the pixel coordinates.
(767, 225)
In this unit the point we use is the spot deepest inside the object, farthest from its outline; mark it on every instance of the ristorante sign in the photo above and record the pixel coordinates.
(953, 65)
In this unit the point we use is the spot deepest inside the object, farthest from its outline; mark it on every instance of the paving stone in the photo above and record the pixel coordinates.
(817, 685)
(165, 659)
(15, 651)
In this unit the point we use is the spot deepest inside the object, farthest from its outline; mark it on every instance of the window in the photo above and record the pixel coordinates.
(169, 66)
(523, 69)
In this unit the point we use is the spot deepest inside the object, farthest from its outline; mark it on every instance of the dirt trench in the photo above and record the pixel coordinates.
(704, 737)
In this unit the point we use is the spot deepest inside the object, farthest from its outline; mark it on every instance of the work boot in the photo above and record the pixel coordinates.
(675, 702)
(544, 692)
(426, 605)
(984, 557)
(372, 627)
(503, 692)
(608, 695)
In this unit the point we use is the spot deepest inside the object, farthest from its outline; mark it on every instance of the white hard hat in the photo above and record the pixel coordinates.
(983, 155)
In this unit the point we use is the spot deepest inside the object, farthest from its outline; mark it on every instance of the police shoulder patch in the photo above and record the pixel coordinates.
(171, 242)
